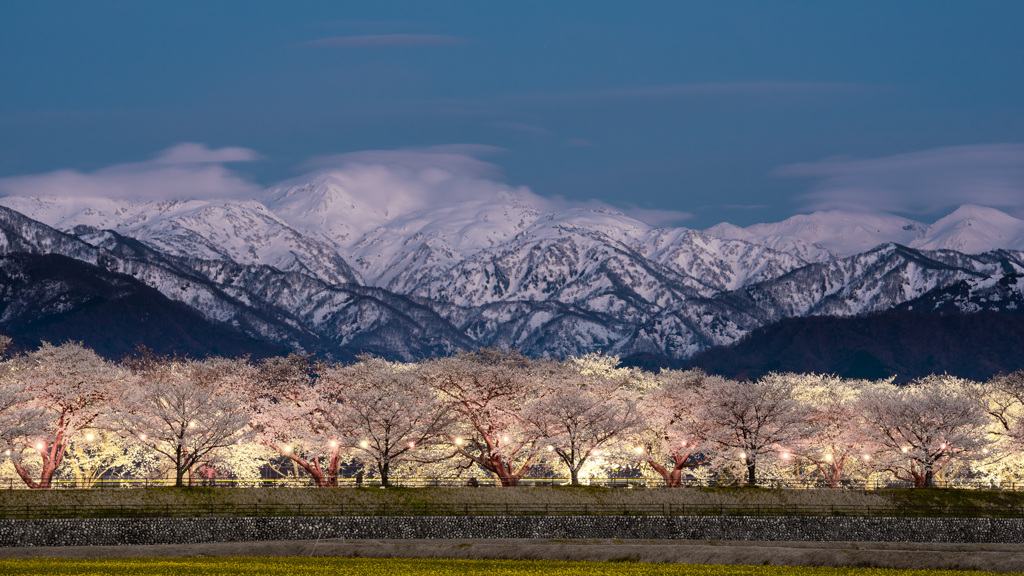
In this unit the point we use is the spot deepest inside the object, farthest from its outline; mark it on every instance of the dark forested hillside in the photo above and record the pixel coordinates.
(55, 298)
(904, 344)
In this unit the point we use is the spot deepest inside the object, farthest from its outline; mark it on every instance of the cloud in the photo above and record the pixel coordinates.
(387, 41)
(392, 182)
(193, 153)
(918, 182)
(457, 159)
(184, 171)
(659, 218)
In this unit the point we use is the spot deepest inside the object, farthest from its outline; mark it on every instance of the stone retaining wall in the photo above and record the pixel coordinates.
(118, 531)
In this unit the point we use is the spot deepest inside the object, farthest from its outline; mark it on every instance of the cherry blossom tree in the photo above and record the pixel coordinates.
(487, 391)
(753, 420)
(391, 417)
(18, 419)
(68, 387)
(921, 427)
(298, 415)
(833, 439)
(579, 414)
(676, 439)
(185, 410)
(1002, 397)
(97, 452)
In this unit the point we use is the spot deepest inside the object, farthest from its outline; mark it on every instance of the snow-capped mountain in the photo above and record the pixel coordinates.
(322, 265)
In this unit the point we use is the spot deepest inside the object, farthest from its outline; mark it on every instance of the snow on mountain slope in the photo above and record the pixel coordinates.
(821, 235)
(973, 230)
(238, 231)
(713, 264)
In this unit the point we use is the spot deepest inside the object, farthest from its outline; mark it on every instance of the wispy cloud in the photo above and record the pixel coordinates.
(387, 41)
(658, 217)
(917, 182)
(188, 170)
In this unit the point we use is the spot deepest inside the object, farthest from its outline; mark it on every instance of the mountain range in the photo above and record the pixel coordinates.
(313, 266)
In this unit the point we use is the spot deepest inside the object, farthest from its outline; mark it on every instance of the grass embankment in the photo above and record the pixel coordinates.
(421, 567)
(556, 496)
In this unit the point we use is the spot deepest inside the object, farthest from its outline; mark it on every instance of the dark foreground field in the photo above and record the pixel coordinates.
(990, 557)
(548, 558)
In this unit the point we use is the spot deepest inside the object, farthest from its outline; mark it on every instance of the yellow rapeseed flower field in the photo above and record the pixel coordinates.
(419, 567)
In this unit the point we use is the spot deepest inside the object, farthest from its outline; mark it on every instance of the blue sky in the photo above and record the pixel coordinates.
(707, 111)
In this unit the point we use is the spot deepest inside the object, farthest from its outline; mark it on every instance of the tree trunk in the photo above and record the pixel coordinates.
(574, 477)
(673, 478)
(751, 473)
(383, 468)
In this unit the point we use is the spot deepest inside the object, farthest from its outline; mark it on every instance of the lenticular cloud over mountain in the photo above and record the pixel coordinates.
(185, 171)
(917, 182)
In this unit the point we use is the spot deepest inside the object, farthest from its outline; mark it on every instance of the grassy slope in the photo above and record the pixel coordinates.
(512, 496)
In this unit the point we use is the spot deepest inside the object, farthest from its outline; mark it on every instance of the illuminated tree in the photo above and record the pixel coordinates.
(921, 427)
(487, 391)
(579, 414)
(391, 418)
(833, 439)
(185, 410)
(68, 388)
(18, 419)
(298, 416)
(95, 453)
(676, 438)
(753, 420)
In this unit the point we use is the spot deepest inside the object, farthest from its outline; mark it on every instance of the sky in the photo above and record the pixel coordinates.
(682, 113)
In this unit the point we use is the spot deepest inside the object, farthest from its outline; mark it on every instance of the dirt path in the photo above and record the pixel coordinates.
(995, 557)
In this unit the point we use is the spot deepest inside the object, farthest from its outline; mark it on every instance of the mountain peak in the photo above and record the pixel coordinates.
(973, 230)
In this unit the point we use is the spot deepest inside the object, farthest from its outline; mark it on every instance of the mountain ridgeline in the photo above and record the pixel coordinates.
(310, 268)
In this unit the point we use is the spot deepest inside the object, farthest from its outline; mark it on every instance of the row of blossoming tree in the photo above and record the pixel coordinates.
(66, 412)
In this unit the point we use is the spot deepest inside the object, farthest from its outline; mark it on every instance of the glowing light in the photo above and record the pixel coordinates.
(287, 448)
(943, 446)
(866, 457)
(333, 443)
(828, 457)
(142, 437)
(39, 446)
(364, 444)
(191, 424)
(412, 444)
(504, 438)
(684, 442)
(595, 453)
(785, 455)
(905, 449)
(550, 447)
(984, 450)
(639, 449)
(8, 452)
(743, 456)
(89, 437)
(458, 441)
